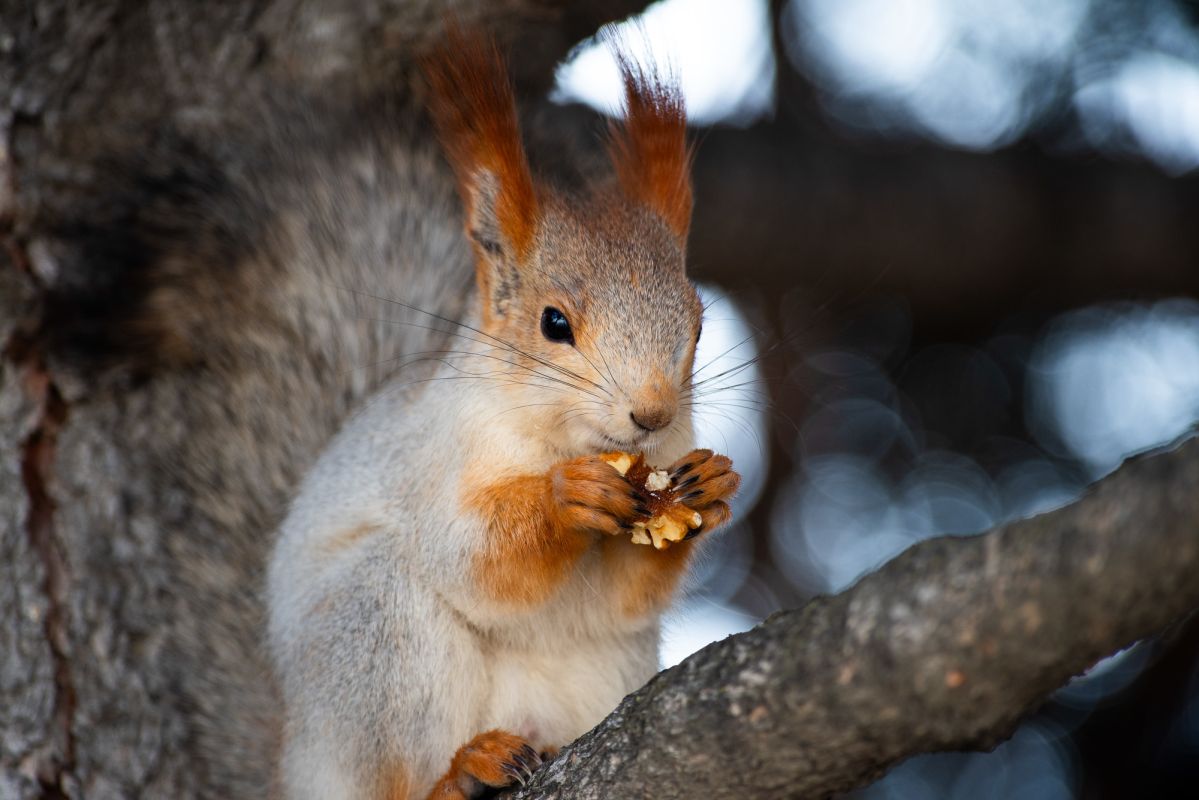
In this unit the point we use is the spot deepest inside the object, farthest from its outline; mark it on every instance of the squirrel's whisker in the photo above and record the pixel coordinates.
(740, 423)
(460, 324)
(742, 386)
(600, 352)
(486, 344)
(716, 358)
(426, 356)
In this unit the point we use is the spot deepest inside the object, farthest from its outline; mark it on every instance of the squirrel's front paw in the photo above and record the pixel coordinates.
(705, 482)
(589, 495)
(491, 760)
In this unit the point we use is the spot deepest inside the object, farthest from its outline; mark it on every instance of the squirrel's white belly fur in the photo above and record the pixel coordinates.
(553, 697)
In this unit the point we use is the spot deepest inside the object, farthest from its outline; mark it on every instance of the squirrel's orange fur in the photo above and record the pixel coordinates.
(527, 553)
(394, 783)
(490, 759)
(650, 150)
(475, 113)
(648, 577)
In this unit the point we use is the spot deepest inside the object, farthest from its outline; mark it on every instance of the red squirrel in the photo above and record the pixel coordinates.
(455, 592)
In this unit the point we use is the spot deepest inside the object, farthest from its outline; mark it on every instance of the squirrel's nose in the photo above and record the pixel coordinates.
(651, 419)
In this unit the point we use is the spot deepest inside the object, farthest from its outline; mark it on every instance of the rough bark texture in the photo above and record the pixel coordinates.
(946, 647)
(32, 729)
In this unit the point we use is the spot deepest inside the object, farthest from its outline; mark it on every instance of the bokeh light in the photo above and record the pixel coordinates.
(1155, 98)
(1108, 382)
(979, 74)
(966, 73)
(693, 625)
(1106, 678)
(719, 50)
(730, 419)
(729, 395)
(872, 45)
(1038, 763)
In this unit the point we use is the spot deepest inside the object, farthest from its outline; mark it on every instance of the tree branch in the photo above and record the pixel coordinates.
(1013, 229)
(945, 647)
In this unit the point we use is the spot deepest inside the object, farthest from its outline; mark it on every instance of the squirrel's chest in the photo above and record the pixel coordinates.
(555, 694)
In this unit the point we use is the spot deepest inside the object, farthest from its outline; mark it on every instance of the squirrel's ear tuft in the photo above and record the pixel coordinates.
(474, 110)
(650, 150)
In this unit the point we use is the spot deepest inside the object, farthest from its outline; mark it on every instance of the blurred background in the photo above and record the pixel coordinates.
(950, 252)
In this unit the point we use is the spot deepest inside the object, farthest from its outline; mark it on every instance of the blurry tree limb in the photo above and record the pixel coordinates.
(946, 647)
(964, 238)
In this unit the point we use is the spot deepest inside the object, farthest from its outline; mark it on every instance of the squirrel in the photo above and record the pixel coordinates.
(454, 594)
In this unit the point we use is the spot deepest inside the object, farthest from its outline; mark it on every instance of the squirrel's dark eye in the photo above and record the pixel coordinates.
(555, 327)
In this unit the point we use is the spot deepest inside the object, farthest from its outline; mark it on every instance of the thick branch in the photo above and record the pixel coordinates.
(945, 647)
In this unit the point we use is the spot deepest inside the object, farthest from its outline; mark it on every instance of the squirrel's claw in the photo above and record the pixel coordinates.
(589, 495)
(708, 482)
(526, 763)
(714, 516)
(491, 760)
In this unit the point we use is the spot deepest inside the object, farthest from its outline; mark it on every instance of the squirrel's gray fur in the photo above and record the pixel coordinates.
(246, 311)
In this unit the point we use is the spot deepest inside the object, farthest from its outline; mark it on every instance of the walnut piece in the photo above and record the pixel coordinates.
(669, 520)
(657, 480)
(619, 461)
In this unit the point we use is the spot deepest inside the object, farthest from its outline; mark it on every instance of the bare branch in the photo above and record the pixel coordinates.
(946, 647)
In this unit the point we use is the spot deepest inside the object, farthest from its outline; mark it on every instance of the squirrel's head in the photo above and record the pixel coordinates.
(584, 300)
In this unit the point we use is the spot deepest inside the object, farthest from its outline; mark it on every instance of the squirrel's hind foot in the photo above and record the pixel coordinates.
(491, 760)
